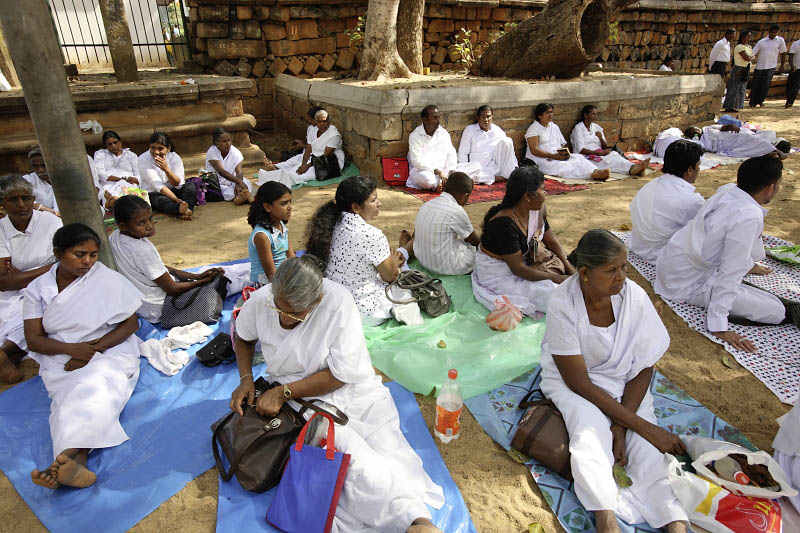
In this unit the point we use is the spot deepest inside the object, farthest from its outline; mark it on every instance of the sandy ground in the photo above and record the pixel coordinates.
(499, 492)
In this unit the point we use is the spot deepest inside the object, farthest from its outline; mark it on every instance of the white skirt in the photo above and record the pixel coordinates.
(492, 279)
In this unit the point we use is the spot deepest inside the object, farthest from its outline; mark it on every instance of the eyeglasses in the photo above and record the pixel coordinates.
(290, 315)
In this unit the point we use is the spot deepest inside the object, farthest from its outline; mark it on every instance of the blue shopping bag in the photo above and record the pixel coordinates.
(309, 490)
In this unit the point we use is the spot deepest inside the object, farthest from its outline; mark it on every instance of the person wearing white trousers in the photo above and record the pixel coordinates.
(587, 139)
(486, 143)
(704, 263)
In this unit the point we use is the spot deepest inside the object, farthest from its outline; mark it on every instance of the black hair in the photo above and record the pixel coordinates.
(784, 146)
(729, 31)
(312, 111)
(521, 180)
(427, 109)
(110, 134)
(128, 206)
(481, 109)
(266, 194)
(774, 27)
(458, 183)
(585, 110)
(596, 248)
(319, 233)
(541, 109)
(744, 33)
(680, 156)
(218, 132)
(759, 172)
(161, 138)
(691, 132)
(667, 60)
(72, 235)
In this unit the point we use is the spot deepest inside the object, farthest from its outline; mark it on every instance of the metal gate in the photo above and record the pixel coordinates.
(158, 30)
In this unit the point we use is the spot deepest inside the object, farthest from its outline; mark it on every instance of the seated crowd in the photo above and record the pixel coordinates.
(603, 334)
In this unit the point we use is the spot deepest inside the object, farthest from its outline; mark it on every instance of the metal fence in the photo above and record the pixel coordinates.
(158, 30)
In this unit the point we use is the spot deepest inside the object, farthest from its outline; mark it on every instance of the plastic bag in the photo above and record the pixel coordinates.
(718, 510)
(505, 317)
(704, 451)
(93, 125)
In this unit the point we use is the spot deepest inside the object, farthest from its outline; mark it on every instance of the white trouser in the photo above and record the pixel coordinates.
(576, 167)
(287, 173)
(751, 303)
(614, 162)
(502, 163)
(650, 497)
(492, 279)
(426, 179)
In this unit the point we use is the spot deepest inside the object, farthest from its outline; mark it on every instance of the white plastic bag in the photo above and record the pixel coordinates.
(704, 451)
(91, 124)
(718, 510)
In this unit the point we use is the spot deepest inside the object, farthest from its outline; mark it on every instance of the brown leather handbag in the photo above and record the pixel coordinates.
(539, 256)
(257, 447)
(542, 435)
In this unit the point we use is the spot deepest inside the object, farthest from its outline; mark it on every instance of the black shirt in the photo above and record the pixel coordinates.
(502, 236)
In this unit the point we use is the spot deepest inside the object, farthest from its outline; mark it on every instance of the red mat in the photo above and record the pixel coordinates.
(494, 192)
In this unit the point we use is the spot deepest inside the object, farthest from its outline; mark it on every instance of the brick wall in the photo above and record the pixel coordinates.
(264, 38)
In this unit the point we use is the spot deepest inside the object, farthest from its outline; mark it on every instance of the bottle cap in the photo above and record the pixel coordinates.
(741, 478)
(452, 374)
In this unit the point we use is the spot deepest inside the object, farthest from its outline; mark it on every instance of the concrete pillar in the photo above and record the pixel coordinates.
(41, 75)
(119, 40)
(6, 65)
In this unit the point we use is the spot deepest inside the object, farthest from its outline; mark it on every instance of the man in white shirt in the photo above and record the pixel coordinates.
(667, 65)
(767, 51)
(721, 54)
(444, 239)
(793, 83)
(704, 263)
(667, 203)
(431, 155)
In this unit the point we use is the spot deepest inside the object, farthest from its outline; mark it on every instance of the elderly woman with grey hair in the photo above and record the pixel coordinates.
(26, 252)
(322, 139)
(314, 347)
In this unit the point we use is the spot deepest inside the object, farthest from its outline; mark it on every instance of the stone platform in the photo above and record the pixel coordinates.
(375, 120)
(159, 102)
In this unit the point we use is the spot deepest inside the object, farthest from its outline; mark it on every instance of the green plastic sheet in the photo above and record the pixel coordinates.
(485, 359)
(350, 169)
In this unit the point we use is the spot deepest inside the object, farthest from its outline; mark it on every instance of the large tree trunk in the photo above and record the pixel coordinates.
(380, 59)
(409, 33)
(560, 41)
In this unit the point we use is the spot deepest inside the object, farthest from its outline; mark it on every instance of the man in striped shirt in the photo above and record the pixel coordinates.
(444, 239)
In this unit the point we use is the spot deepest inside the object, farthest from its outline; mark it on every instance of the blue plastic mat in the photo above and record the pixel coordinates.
(676, 411)
(168, 420)
(239, 510)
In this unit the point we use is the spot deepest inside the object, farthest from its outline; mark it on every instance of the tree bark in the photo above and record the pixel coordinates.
(380, 59)
(409, 33)
(560, 41)
(119, 40)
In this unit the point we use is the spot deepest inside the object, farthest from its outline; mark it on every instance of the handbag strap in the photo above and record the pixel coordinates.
(329, 444)
(226, 475)
(338, 416)
(192, 297)
(525, 402)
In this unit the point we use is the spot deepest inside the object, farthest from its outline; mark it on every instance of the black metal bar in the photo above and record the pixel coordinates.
(101, 26)
(80, 27)
(89, 28)
(136, 29)
(144, 26)
(57, 29)
(185, 31)
(69, 26)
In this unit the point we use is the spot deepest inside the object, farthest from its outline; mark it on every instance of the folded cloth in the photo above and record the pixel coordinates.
(162, 358)
(184, 336)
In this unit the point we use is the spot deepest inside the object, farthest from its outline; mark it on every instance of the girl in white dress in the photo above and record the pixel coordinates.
(602, 339)
(587, 139)
(80, 320)
(547, 148)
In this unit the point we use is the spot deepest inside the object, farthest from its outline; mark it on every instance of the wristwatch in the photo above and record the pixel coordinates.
(287, 392)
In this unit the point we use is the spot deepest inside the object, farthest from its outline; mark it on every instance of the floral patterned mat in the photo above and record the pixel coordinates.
(496, 411)
(777, 363)
(493, 192)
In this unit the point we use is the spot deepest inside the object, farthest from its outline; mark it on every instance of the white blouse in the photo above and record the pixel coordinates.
(153, 178)
(124, 165)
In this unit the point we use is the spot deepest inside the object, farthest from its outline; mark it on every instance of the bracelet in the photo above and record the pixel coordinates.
(246, 375)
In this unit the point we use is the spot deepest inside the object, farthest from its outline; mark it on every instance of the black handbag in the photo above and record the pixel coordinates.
(213, 188)
(428, 292)
(257, 447)
(199, 304)
(218, 351)
(326, 167)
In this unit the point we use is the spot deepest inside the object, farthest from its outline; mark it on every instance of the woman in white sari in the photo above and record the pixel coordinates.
(117, 168)
(80, 318)
(502, 265)
(323, 139)
(547, 148)
(226, 160)
(26, 252)
(587, 139)
(311, 336)
(602, 339)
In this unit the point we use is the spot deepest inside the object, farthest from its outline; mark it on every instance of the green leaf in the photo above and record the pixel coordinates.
(518, 456)
(535, 527)
(621, 477)
(729, 362)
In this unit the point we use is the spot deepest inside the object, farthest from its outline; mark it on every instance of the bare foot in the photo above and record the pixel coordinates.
(606, 522)
(639, 168)
(676, 527)
(110, 200)
(184, 213)
(73, 474)
(405, 237)
(269, 165)
(8, 370)
(787, 106)
(46, 478)
(601, 174)
(498, 179)
(422, 525)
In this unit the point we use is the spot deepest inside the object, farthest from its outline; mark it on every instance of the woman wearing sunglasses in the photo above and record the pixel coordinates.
(310, 333)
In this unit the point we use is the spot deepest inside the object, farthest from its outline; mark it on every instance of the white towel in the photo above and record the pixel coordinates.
(160, 354)
(184, 336)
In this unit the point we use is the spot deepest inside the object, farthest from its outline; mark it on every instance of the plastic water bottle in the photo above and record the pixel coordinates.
(728, 469)
(449, 405)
